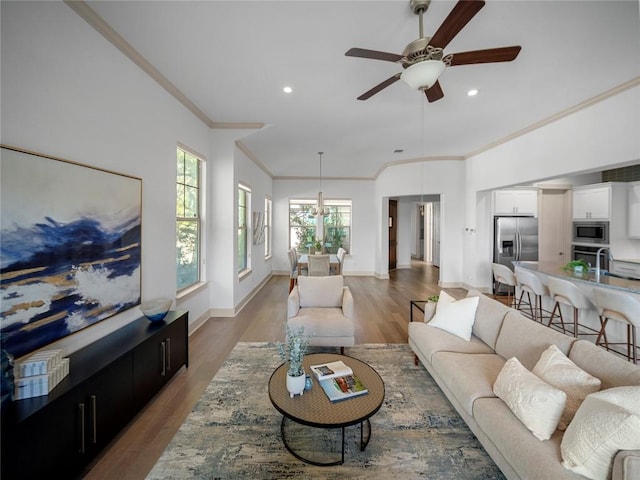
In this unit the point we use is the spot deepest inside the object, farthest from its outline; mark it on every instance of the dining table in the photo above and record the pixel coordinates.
(303, 261)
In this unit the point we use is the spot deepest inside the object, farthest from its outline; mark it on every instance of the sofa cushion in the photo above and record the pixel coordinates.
(468, 376)
(529, 457)
(526, 340)
(557, 370)
(537, 404)
(430, 340)
(455, 316)
(322, 322)
(612, 371)
(606, 422)
(489, 316)
(321, 291)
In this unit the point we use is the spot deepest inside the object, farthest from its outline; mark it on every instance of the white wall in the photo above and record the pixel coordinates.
(68, 93)
(440, 177)
(361, 258)
(260, 183)
(602, 136)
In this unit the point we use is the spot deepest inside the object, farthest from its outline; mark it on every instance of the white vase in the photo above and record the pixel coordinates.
(295, 385)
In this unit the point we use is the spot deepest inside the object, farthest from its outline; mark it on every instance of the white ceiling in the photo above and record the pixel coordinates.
(232, 59)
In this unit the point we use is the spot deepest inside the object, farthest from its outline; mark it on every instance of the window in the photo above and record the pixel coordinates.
(336, 227)
(244, 206)
(267, 227)
(302, 225)
(188, 220)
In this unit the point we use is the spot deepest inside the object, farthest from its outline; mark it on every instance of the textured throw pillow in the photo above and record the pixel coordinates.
(556, 369)
(455, 316)
(537, 404)
(606, 422)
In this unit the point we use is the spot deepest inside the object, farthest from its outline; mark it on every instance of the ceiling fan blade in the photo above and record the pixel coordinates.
(373, 54)
(379, 87)
(461, 14)
(434, 93)
(490, 55)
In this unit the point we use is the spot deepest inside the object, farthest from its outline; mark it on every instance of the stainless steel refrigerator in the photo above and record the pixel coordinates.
(515, 239)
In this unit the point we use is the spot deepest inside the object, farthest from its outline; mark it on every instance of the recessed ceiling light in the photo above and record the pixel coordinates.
(473, 92)
(287, 89)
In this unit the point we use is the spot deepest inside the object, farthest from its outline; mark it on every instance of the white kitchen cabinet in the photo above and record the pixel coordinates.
(634, 210)
(515, 202)
(625, 268)
(592, 203)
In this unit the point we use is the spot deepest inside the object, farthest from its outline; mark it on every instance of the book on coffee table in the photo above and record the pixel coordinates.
(341, 388)
(331, 370)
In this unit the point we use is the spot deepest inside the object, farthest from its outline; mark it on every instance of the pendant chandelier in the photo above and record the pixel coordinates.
(319, 208)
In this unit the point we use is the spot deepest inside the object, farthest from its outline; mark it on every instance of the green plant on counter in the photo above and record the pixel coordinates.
(433, 298)
(571, 266)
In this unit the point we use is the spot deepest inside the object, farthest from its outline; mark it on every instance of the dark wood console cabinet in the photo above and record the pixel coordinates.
(109, 381)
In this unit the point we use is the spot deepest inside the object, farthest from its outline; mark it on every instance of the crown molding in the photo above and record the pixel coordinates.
(554, 118)
(252, 156)
(97, 22)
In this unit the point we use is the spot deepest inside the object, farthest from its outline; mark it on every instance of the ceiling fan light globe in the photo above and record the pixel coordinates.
(423, 75)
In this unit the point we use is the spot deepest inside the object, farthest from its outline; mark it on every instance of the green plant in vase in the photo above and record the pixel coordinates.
(577, 266)
(293, 349)
(318, 246)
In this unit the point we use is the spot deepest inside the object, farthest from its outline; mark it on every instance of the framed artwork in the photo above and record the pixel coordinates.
(258, 228)
(70, 247)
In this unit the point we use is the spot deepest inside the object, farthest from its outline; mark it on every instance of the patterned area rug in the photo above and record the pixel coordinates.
(233, 431)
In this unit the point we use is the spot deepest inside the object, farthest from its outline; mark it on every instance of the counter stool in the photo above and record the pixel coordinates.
(565, 292)
(502, 275)
(621, 307)
(530, 284)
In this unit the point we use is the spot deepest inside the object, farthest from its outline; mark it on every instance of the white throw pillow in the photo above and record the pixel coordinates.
(455, 316)
(606, 422)
(556, 369)
(537, 404)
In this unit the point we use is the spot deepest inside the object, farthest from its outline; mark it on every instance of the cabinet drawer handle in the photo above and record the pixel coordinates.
(168, 341)
(163, 359)
(94, 416)
(81, 413)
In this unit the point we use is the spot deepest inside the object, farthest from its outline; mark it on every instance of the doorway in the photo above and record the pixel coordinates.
(393, 234)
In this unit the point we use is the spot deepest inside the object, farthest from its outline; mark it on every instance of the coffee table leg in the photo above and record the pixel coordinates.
(363, 443)
(306, 460)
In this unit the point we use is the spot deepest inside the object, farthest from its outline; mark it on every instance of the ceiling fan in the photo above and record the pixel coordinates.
(423, 59)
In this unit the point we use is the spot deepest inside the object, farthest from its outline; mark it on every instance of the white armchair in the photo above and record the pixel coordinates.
(323, 306)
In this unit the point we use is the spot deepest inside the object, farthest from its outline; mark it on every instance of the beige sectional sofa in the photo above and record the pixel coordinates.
(467, 370)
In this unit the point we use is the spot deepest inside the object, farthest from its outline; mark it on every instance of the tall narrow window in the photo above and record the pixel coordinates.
(244, 206)
(337, 225)
(267, 227)
(302, 224)
(188, 220)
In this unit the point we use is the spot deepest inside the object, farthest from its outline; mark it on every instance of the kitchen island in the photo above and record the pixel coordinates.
(586, 278)
(586, 282)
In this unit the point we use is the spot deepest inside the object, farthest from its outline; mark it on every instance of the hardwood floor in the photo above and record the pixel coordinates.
(381, 316)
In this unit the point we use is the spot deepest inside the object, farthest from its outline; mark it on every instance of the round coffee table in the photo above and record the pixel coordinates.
(314, 408)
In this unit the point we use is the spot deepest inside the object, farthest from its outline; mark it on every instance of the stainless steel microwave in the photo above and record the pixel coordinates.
(591, 232)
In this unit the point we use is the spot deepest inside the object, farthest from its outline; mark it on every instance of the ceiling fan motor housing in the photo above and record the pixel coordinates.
(419, 50)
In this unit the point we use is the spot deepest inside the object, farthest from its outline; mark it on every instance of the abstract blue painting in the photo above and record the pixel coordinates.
(70, 247)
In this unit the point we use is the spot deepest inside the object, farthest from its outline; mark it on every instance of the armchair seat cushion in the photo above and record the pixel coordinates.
(323, 322)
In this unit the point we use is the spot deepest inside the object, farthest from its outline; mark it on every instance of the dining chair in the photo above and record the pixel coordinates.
(319, 265)
(293, 268)
(337, 270)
